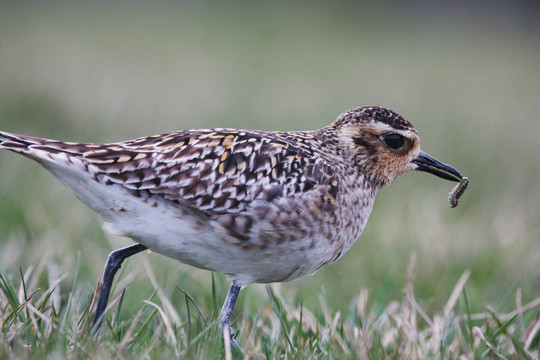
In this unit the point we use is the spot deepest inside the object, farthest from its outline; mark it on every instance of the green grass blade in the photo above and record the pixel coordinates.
(276, 304)
(9, 291)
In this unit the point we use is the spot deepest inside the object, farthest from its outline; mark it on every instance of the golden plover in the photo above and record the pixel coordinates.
(257, 206)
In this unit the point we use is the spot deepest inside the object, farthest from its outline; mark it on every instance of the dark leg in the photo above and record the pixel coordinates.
(225, 318)
(114, 262)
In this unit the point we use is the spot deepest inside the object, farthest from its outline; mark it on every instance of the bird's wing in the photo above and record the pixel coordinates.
(215, 171)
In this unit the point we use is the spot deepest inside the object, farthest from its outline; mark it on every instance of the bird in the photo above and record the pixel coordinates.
(257, 206)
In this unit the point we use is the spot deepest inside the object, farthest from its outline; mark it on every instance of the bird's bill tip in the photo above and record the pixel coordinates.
(426, 163)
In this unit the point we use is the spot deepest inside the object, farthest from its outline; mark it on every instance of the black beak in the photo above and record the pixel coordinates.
(431, 165)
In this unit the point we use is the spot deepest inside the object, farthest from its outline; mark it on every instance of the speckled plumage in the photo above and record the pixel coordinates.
(257, 206)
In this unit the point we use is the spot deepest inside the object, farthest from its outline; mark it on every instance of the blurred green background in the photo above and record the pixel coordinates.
(466, 75)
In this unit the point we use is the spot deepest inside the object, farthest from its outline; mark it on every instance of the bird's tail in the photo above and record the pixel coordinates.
(15, 142)
(38, 149)
(18, 143)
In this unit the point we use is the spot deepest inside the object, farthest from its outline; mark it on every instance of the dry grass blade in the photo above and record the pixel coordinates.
(455, 293)
(168, 306)
(166, 320)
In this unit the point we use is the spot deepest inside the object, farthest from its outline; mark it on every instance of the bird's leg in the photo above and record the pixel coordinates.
(225, 318)
(114, 262)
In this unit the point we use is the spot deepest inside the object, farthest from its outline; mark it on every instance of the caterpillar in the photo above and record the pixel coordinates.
(457, 191)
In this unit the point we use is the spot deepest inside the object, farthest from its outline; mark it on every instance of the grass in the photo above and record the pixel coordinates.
(467, 77)
(41, 323)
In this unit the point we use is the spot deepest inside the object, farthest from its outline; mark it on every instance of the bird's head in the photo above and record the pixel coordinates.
(384, 145)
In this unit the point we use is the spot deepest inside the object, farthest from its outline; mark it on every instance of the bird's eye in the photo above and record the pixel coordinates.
(393, 141)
